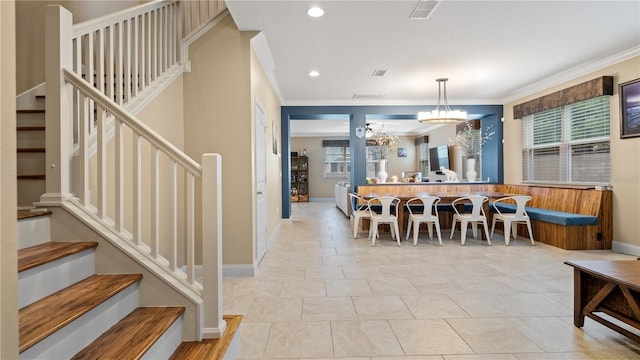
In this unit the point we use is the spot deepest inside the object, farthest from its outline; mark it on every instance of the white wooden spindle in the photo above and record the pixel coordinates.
(118, 72)
(173, 258)
(83, 132)
(149, 43)
(110, 62)
(127, 61)
(190, 227)
(154, 193)
(162, 47)
(119, 176)
(101, 157)
(88, 70)
(143, 49)
(136, 55)
(137, 189)
(156, 42)
(100, 59)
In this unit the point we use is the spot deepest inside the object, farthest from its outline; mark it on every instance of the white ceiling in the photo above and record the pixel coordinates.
(491, 51)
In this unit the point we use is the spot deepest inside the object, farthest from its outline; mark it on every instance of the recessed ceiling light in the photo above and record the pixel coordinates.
(315, 12)
(314, 73)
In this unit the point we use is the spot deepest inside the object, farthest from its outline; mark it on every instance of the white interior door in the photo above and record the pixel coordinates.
(261, 183)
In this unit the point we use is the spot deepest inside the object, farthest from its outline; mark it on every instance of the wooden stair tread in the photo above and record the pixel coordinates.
(30, 128)
(132, 336)
(48, 315)
(209, 349)
(32, 177)
(31, 150)
(26, 214)
(40, 254)
(30, 111)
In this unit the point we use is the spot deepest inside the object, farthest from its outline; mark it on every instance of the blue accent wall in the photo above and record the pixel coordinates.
(491, 117)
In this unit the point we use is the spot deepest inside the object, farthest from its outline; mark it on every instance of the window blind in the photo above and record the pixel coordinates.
(569, 144)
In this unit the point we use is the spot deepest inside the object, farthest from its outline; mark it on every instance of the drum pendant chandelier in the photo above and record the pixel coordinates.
(446, 115)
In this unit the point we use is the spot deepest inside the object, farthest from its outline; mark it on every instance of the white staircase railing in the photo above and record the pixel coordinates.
(127, 177)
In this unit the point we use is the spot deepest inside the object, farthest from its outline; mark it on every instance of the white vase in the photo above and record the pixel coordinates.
(471, 169)
(382, 172)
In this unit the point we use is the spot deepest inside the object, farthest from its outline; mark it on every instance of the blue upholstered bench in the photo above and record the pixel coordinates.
(552, 216)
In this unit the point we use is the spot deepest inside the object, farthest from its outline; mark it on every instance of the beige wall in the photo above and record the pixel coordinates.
(318, 186)
(8, 224)
(217, 102)
(625, 156)
(263, 93)
(30, 32)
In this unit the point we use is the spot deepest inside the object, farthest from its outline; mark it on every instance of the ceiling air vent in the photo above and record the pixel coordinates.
(368, 96)
(379, 72)
(423, 10)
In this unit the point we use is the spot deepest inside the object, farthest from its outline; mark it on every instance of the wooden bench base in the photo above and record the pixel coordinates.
(583, 237)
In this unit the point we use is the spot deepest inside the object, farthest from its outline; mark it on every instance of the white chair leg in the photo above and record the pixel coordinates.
(408, 228)
(530, 232)
(374, 232)
(356, 221)
(416, 229)
(397, 231)
(474, 227)
(463, 231)
(430, 226)
(486, 231)
(453, 228)
(493, 225)
(438, 232)
(514, 230)
(507, 231)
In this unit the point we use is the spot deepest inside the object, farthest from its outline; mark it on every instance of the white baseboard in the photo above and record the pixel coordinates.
(239, 270)
(625, 248)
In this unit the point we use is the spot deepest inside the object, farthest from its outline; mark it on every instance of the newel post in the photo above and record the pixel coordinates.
(214, 325)
(58, 118)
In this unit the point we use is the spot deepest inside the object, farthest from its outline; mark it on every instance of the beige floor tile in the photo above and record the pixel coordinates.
(433, 307)
(275, 310)
(492, 336)
(381, 307)
(429, 357)
(434, 284)
(324, 272)
(392, 286)
(328, 308)
(303, 288)
(364, 338)
(554, 335)
(508, 305)
(257, 288)
(481, 357)
(501, 302)
(349, 287)
(299, 339)
(426, 337)
(253, 340)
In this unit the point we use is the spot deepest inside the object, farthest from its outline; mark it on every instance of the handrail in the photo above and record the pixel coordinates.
(172, 151)
(94, 24)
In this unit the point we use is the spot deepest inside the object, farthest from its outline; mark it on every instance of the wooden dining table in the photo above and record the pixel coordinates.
(445, 198)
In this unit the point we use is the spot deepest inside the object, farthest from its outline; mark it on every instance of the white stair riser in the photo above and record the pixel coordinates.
(167, 343)
(33, 231)
(31, 163)
(234, 347)
(69, 340)
(30, 119)
(37, 283)
(30, 139)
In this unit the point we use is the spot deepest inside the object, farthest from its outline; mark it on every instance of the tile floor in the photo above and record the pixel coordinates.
(320, 294)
